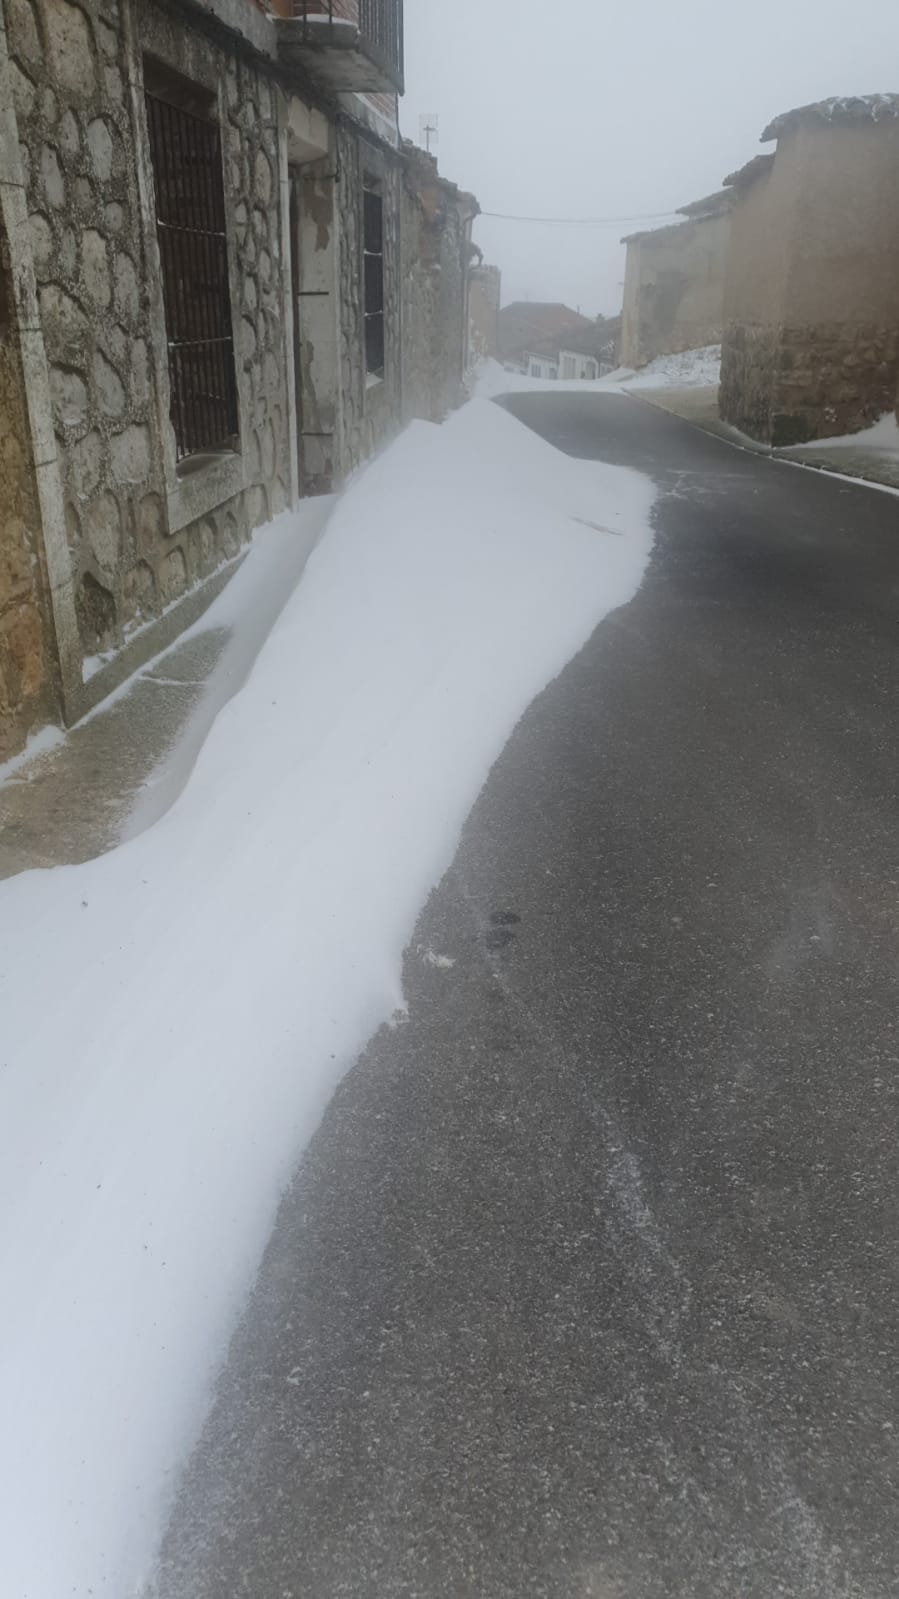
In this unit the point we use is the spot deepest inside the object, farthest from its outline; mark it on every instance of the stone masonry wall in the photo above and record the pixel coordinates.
(27, 691)
(833, 379)
(435, 266)
(370, 410)
(485, 289)
(811, 347)
(83, 137)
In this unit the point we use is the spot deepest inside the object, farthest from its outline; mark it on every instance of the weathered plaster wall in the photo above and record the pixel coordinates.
(753, 300)
(28, 693)
(811, 345)
(77, 79)
(674, 289)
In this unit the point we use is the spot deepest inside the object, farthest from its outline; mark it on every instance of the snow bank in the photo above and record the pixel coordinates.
(691, 369)
(176, 1013)
(490, 380)
(882, 438)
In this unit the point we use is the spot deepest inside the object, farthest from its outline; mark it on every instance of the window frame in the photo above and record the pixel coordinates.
(204, 401)
(373, 258)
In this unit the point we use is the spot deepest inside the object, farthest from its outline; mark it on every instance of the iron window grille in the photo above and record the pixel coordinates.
(373, 269)
(185, 150)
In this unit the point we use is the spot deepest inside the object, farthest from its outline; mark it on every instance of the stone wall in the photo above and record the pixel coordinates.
(811, 347)
(369, 408)
(27, 691)
(484, 295)
(77, 77)
(435, 254)
(674, 289)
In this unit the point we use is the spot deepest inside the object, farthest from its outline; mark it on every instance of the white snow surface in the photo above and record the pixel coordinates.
(490, 379)
(176, 1013)
(690, 369)
(883, 438)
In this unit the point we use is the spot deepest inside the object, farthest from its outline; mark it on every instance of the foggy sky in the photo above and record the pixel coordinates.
(619, 108)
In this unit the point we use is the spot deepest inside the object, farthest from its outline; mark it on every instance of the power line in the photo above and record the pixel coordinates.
(581, 222)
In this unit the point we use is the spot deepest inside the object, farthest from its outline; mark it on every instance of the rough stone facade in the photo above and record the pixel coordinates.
(674, 285)
(436, 252)
(95, 260)
(811, 343)
(107, 542)
(370, 408)
(26, 685)
(484, 296)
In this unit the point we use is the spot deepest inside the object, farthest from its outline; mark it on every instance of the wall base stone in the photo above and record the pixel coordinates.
(792, 385)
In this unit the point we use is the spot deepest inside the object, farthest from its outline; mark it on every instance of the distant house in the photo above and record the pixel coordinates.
(811, 337)
(576, 354)
(674, 283)
(526, 325)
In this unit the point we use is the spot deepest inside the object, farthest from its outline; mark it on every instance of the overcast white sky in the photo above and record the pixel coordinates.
(619, 108)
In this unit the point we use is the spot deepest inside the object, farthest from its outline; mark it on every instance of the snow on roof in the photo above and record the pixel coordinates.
(756, 168)
(840, 108)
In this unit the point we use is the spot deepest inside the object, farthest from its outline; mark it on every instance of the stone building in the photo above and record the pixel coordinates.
(202, 280)
(674, 283)
(811, 343)
(484, 297)
(436, 223)
(524, 323)
(581, 354)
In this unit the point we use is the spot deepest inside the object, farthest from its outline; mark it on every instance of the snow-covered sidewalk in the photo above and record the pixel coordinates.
(176, 1013)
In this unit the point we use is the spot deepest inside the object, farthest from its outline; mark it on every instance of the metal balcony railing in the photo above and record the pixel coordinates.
(379, 25)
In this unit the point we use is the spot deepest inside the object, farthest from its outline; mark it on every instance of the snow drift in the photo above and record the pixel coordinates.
(691, 369)
(176, 1013)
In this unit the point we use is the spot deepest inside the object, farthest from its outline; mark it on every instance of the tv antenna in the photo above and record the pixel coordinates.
(429, 130)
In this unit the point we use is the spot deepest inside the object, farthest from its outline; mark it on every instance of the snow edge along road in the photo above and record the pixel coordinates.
(176, 1013)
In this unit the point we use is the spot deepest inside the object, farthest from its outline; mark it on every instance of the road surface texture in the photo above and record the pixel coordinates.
(588, 1287)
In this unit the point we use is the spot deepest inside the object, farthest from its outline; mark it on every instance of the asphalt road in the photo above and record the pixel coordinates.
(589, 1285)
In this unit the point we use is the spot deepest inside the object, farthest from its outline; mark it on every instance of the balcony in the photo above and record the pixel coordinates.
(352, 46)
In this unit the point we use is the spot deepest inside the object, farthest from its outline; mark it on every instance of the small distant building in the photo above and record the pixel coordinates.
(526, 325)
(579, 354)
(484, 293)
(811, 340)
(674, 283)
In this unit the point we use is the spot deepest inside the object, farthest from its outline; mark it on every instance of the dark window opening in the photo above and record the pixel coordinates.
(185, 149)
(373, 269)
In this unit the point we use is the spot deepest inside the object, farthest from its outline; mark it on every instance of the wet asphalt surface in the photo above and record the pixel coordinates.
(588, 1283)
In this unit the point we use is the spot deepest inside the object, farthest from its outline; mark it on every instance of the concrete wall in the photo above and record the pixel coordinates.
(811, 345)
(674, 290)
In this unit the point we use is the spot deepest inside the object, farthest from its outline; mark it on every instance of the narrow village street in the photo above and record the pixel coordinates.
(587, 1285)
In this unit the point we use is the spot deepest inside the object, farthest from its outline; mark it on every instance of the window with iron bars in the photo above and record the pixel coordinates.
(373, 269)
(185, 150)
